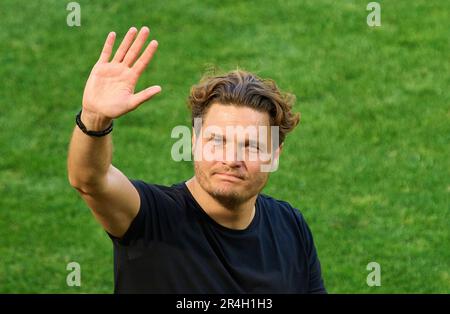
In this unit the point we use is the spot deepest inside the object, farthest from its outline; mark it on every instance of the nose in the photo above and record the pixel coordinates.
(233, 155)
(233, 164)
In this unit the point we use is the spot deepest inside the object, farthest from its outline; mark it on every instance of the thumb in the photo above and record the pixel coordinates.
(144, 95)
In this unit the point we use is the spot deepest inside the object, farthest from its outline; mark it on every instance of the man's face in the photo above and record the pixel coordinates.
(234, 148)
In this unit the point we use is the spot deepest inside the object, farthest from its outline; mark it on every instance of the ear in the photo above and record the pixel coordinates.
(276, 158)
(278, 151)
(193, 141)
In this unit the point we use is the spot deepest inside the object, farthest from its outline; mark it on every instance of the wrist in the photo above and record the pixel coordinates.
(94, 121)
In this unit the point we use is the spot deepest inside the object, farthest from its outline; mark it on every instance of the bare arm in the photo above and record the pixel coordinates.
(109, 94)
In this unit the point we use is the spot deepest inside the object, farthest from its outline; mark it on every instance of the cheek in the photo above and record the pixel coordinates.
(253, 167)
(255, 176)
(204, 167)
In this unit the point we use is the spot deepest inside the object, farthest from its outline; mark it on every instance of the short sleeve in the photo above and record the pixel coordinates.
(145, 224)
(316, 284)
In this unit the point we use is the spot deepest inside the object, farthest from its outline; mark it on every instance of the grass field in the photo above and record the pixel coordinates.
(368, 166)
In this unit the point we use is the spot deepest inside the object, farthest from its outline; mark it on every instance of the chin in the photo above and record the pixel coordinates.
(224, 189)
(229, 198)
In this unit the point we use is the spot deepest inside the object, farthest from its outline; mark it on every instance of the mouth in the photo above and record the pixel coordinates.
(229, 176)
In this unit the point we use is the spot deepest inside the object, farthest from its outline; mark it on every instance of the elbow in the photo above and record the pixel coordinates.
(72, 181)
(76, 184)
(91, 185)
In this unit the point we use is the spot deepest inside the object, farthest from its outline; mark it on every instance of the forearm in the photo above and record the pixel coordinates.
(109, 92)
(89, 157)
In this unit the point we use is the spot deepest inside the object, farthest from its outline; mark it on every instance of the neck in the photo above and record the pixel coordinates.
(237, 217)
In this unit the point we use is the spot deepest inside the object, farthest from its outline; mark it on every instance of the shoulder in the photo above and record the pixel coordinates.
(159, 211)
(277, 207)
(157, 192)
(283, 213)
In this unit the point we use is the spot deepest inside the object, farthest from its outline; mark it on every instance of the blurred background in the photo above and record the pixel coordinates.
(368, 165)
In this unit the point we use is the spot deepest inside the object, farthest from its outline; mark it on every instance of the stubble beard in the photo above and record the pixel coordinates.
(228, 197)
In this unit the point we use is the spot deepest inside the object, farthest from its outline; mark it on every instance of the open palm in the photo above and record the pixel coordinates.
(109, 90)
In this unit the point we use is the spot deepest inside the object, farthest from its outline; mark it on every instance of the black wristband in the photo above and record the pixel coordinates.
(92, 133)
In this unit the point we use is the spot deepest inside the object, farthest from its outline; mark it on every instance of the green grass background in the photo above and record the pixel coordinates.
(368, 166)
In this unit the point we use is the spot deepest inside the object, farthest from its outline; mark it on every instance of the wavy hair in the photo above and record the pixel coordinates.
(242, 88)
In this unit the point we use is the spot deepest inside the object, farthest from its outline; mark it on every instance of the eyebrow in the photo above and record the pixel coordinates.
(252, 142)
(246, 142)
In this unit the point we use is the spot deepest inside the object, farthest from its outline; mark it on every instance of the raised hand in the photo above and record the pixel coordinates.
(109, 91)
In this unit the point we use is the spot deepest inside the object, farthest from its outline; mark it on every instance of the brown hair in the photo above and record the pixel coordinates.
(242, 88)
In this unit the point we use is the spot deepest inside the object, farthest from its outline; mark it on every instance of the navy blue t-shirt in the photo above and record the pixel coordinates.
(173, 246)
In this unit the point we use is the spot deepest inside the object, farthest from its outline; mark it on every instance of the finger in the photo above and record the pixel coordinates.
(107, 47)
(134, 50)
(145, 58)
(125, 45)
(144, 95)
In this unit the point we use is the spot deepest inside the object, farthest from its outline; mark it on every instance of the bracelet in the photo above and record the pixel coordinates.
(92, 133)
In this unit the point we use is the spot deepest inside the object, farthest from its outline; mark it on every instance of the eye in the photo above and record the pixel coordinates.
(254, 147)
(217, 141)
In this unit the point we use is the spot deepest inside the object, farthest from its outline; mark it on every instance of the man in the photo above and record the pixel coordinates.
(214, 233)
